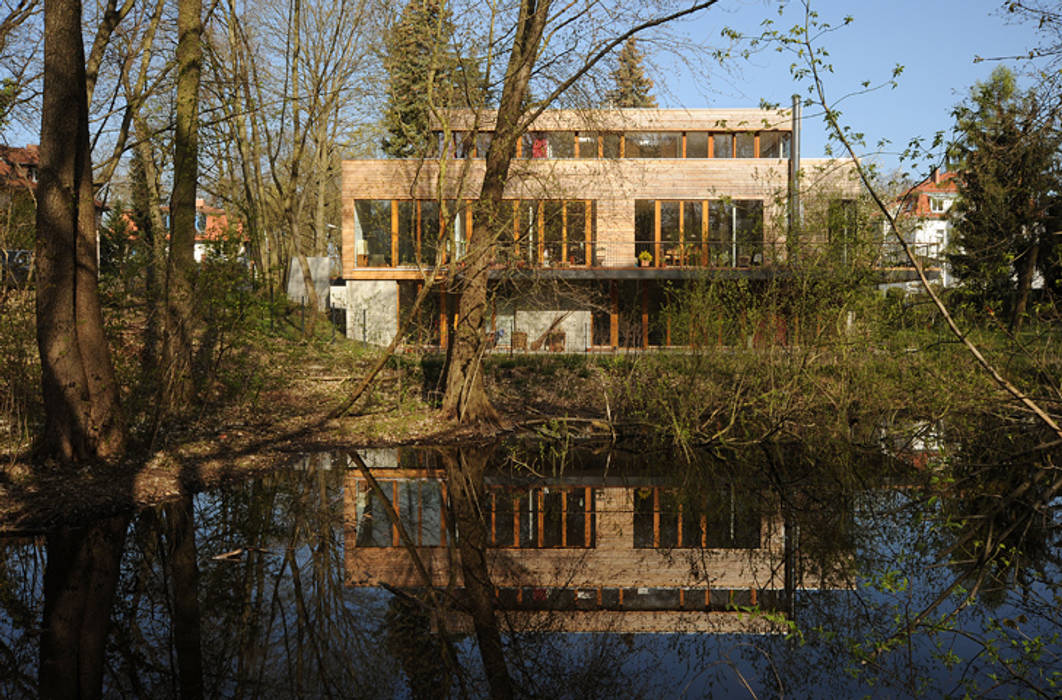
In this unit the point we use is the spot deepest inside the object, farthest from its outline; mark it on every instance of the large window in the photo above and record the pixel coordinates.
(414, 234)
(547, 517)
(724, 519)
(721, 233)
(735, 233)
(551, 233)
(420, 510)
(372, 232)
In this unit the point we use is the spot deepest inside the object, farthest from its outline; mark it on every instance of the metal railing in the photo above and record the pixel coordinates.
(734, 254)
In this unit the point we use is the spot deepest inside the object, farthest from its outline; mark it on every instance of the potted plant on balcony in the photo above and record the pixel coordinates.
(645, 258)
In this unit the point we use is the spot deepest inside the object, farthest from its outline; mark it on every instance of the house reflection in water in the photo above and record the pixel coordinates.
(581, 553)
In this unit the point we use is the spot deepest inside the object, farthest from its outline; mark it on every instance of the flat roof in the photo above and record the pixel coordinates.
(747, 119)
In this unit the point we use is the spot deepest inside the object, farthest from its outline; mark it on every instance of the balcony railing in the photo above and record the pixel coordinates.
(698, 254)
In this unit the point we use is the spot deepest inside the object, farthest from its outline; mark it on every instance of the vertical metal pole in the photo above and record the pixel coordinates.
(793, 237)
(790, 574)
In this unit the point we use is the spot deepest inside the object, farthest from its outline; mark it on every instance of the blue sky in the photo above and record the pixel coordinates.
(935, 40)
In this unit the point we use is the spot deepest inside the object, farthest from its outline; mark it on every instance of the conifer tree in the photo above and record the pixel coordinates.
(1009, 175)
(423, 70)
(633, 87)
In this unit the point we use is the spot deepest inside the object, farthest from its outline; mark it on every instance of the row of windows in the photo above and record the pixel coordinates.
(552, 517)
(391, 233)
(539, 518)
(637, 144)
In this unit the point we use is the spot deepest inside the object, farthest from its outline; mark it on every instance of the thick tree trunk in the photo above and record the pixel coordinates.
(184, 580)
(82, 418)
(180, 270)
(79, 583)
(464, 476)
(466, 397)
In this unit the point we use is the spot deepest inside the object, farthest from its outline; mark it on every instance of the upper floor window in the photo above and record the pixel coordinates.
(635, 144)
(653, 144)
(774, 144)
(937, 205)
(696, 144)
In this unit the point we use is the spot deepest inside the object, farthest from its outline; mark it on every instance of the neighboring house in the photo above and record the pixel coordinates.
(19, 169)
(212, 228)
(923, 217)
(613, 207)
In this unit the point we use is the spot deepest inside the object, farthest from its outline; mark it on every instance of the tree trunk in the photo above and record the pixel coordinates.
(464, 476)
(180, 269)
(82, 417)
(466, 397)
(184, 580)
(1025, 277)
(79, 583)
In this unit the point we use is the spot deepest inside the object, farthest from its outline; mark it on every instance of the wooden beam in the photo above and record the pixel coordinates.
(656, 233)
(645, 313)
(588, 206)
(613, 317)
(394, 233)
(444, 325)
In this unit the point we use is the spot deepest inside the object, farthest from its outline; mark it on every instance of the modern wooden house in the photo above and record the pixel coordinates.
(609, 208)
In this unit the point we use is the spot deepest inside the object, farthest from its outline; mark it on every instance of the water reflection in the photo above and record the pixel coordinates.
(619, 553)
(544, 571)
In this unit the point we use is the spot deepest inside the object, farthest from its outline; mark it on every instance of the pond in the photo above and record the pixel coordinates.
(554, 570)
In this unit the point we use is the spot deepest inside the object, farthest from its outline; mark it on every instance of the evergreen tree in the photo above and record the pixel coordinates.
(633, 88)
(1009, 176)
(423, 70)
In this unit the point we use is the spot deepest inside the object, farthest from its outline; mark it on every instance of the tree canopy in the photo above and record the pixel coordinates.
(632, 87)
(1007, 156)
(424, 71)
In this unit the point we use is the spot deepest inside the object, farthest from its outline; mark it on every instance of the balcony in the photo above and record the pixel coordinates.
(644, 258)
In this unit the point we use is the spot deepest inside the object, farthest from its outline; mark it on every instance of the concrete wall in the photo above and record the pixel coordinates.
(575, 325)
(372, 310)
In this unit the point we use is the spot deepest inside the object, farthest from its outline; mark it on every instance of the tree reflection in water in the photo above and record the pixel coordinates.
(459, 573)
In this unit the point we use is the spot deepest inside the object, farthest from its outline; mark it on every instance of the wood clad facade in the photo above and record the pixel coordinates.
(677, 193)
(612, 184)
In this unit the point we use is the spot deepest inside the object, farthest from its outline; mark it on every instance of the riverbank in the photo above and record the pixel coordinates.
(278, 401)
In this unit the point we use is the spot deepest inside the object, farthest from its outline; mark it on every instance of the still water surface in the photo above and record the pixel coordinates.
(608, 574)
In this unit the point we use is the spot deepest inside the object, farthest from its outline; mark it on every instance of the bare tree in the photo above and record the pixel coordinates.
(180, 268)
(83, 420)
(538, 24)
